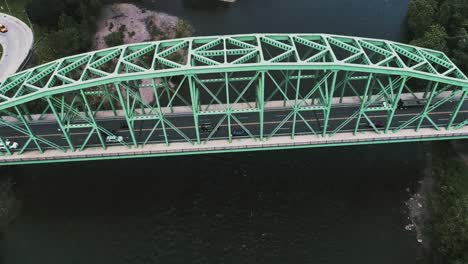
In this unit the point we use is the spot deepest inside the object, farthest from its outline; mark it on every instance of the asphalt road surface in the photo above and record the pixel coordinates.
(16, 43)
(144, 130)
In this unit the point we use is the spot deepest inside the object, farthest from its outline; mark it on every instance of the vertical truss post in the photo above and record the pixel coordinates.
(228, 108)
(426, 91)
(195, 107)
(60, 123)
(161, 114)
(329, 102)
(26, 111)
(395, 104)
(109, 97)
(424, 114)
(261, 101)
(455, 113)
(167, 89)
(286, 87)
(345, 82)
(91, 116)
(126, 114)
(296, 104)
(31, 134)
(365, 99)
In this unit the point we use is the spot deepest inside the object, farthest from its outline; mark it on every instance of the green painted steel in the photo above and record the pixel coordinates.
(229, 79)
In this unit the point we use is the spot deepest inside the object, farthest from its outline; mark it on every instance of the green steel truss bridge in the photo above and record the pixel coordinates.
(230, 93)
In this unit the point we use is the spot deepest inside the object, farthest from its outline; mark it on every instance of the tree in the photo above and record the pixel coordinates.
(450, 210)
(420, 16)
(444, 13)
(45, 12)
(114, 39)
(183, 29)
(434, 38)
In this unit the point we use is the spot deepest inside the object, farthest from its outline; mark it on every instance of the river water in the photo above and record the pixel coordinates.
(327, 205)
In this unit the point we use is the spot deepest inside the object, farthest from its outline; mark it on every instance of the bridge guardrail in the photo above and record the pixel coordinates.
(246, 147)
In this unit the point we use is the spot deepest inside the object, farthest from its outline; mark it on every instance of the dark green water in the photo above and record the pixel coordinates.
(328, 205)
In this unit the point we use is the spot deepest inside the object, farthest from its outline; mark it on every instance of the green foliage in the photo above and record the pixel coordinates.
(442, 25)
(66, 26)
(48, 12)
(449, 206)
(154, 31)
(122, 28)
(45, 13)
(114, 39)
(444, 13)
(434, 38)
(421, 16)
(183, 29)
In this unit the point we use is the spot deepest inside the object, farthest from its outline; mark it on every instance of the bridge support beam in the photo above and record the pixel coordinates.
(194, 95)
(261, 103)
(329, 97)
(60, 123)
(457, 109)
(296, 103)
(128, 117)
(395, 100)
(426, 107)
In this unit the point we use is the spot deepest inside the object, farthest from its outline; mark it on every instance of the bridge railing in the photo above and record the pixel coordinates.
(241, 148)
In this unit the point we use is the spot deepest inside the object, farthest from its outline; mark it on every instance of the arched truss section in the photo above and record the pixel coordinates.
(222, 80)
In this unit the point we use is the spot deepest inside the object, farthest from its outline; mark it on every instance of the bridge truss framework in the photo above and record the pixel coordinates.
(228, 79)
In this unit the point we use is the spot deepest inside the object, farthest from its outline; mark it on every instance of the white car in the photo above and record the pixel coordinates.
(10, 145)
(112, 139)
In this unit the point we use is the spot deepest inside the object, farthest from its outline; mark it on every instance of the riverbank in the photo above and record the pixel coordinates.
(439, 25)
(448, 225)
(418, 203)
(438, 210)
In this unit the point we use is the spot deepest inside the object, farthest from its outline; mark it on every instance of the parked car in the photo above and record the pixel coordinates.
(10, 145)
(3, 28)
(239, 132)
(206, 127)
(411, 103)
(114, 139)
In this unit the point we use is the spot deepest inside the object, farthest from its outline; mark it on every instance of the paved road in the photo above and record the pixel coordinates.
(17, 43)
(272, 118)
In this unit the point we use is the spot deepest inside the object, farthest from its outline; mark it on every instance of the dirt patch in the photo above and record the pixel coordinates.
(137, 24)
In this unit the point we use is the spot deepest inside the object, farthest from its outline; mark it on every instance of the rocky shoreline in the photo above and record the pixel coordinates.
(418, 203)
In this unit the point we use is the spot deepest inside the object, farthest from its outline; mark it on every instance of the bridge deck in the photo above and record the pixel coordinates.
(237, 145)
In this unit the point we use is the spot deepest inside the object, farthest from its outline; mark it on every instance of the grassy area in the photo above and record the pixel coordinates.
(16, 7)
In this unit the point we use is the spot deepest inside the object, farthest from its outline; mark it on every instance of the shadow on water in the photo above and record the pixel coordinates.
(313, 205)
